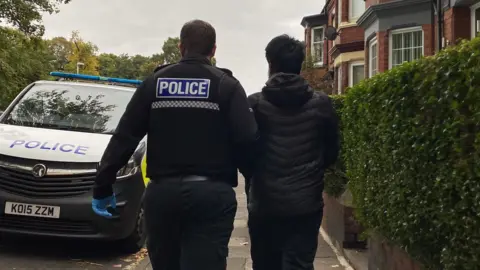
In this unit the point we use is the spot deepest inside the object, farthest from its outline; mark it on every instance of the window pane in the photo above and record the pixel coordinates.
(417, 53)
(407, 39)
(397, 41)
(407, 55)
(417, 39)
(358, 74)
(317, 52)
(358, 7)
(397, 57)
(318, 35)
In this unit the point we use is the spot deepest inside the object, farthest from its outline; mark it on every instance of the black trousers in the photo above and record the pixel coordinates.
(189, 224)
(284, 243)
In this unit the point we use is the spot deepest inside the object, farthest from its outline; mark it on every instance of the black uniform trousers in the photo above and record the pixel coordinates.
(284, 243)
(189, 222)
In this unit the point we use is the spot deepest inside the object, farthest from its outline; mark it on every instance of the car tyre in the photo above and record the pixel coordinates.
(136, 240)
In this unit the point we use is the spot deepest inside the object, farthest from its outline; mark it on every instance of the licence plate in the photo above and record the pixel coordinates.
(32, 210)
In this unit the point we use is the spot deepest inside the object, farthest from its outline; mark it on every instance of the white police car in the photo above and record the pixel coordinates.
(52, 137)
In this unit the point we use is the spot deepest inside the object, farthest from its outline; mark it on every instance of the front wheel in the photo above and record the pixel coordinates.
(136, 240)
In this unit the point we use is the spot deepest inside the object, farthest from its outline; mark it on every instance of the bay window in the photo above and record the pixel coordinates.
(405, 45)
(373, 58)
(317, 45)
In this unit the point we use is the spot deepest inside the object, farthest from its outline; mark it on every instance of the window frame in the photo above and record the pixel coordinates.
(317, 63)
(350, 10)
(339, 8)
(339, 80)
(351, 65)
(401, 31)
(473, 9)
(372, 42)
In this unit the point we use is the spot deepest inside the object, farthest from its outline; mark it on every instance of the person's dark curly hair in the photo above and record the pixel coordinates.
(285, 54)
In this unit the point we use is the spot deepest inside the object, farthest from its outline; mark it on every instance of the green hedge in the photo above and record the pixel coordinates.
(412, 151)
(335, 177)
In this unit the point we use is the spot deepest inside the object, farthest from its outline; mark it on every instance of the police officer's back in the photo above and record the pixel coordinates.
(200, 129)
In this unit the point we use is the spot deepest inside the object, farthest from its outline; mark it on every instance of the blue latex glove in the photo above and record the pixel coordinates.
(100, 206)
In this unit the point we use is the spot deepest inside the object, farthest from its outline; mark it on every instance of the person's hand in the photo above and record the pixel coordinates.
(99, 206)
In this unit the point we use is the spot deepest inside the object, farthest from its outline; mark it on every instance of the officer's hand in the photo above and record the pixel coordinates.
(99, 206)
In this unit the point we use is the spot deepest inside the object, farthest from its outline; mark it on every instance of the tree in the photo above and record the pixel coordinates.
(107, 64)
(316, 81)
(171, 52)
(82, 52)
(23, 60)
(61, 49)
(26, 15)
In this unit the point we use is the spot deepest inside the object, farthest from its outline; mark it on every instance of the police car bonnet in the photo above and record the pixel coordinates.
(52, 145)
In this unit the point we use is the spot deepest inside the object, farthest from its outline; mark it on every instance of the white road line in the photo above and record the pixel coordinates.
(340, 258)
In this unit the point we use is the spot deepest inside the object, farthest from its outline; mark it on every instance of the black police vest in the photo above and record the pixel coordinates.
(188, 130)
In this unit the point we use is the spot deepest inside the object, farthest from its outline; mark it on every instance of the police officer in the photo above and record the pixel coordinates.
(200, 130)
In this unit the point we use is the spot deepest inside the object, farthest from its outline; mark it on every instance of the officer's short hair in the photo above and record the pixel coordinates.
(198, 36)
(285, 54)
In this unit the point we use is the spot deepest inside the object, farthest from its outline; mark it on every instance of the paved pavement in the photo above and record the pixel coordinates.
(239, 257)
(46, 253)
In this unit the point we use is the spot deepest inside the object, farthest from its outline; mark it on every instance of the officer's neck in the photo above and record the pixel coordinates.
(196, 56)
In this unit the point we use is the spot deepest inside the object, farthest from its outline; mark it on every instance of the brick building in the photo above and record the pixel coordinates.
(376, 35)
(314, 26)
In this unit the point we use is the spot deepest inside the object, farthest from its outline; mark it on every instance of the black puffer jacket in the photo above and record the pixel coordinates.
(298, 141)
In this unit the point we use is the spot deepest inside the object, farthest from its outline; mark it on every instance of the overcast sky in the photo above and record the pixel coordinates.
(243, 27)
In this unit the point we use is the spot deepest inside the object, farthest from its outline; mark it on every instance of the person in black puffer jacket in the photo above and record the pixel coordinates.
(299, 139)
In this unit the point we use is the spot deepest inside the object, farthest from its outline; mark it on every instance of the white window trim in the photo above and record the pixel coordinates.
(319, 63)
(339, 80)
(339, 8)
(372, 42)
(350, 9)
(472, 18)
(399, 31)
(350, 70)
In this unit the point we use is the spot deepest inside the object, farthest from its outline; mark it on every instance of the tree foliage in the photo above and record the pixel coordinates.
(315, 78)
(26, 14)
(26, 58)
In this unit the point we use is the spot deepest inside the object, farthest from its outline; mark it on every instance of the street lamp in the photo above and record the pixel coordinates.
(78, 66)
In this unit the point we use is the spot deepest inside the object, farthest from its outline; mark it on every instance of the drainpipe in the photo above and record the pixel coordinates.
(439, 24)
(432, 22)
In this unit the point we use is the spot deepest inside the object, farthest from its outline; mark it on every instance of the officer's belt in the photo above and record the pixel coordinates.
(186, 178)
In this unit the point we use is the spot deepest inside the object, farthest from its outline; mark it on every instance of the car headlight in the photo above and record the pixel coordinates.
(128, 170)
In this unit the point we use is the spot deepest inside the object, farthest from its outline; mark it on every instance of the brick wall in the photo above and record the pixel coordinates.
(351, 34)
(382, 41)
(385, 256)
(369, 3)
(457, 24)
(428, 44)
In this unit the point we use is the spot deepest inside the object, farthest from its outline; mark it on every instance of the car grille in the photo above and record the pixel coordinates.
(22, 182)
(45, 225)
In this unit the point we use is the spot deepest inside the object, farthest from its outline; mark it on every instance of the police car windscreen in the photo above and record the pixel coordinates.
(70, 107)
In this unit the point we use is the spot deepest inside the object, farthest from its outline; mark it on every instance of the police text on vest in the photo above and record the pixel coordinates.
(183, 88)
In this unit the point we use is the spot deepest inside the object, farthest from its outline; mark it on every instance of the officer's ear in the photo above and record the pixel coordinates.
(181, 48)
(212, 54)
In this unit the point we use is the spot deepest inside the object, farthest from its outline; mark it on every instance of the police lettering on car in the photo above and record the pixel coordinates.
(49, 160)
(62, 147)
(200, 128)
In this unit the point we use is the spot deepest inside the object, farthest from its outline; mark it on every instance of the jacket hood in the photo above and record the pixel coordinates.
(287, 90)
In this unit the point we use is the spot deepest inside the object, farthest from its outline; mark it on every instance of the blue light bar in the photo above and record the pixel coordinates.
(94, 78)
